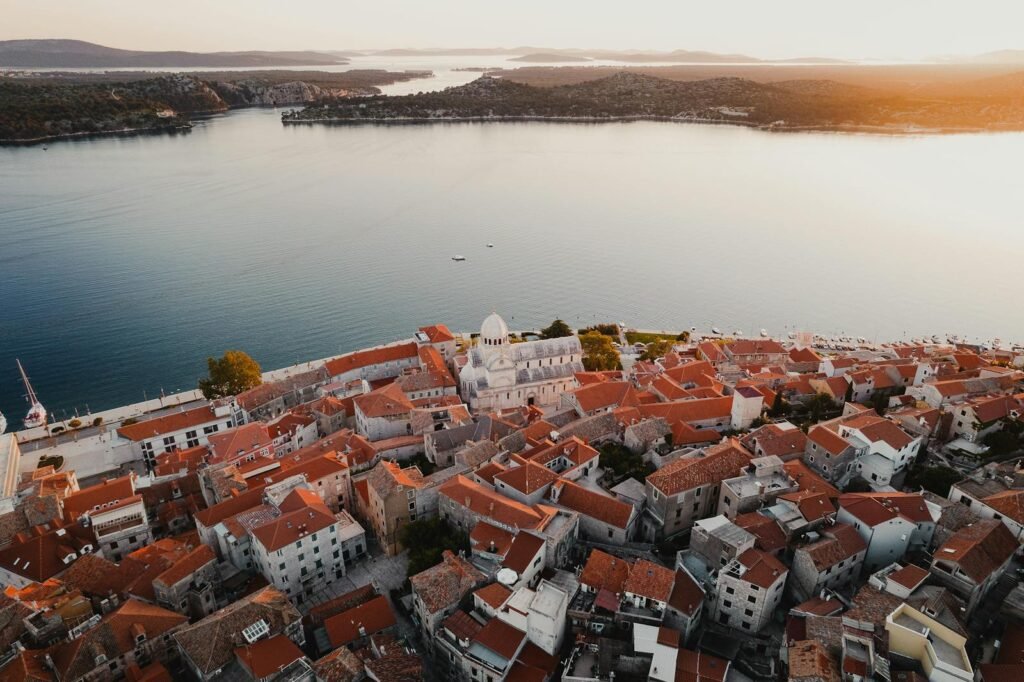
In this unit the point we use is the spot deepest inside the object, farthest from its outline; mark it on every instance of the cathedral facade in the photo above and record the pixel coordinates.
(500, 374)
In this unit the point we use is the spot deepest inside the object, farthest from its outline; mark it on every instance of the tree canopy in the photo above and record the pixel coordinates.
(938, 479)
(230, 375)
(426, 541)
(598, 353)
(656, 349)
(556, 330)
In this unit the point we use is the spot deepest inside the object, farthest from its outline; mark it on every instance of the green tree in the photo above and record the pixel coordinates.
(779, 406)
(819, 406)
(598, 353)
(938, 479)
(849, 393)
(556, 330)
(230, 375)
(426, 541)
(656, 349)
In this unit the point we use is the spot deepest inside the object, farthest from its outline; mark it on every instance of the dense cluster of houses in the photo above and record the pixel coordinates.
(766, 528)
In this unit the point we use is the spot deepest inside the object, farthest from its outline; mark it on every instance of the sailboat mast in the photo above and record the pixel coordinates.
(32, 400)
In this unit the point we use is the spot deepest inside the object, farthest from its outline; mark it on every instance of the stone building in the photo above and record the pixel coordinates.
(500, 374)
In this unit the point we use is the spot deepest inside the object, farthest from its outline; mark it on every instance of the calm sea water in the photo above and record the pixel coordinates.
(125, 262)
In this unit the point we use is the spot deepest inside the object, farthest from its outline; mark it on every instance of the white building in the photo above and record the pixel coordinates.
(539, 613)
(306, 547)
(500, 374)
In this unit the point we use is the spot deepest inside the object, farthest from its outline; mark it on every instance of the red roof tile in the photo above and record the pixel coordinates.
(268, 656)
(363, 620)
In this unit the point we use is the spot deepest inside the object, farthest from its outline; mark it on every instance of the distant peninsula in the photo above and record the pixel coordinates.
(80, 54)
(35, 107)
(548, 58)
(628, 96)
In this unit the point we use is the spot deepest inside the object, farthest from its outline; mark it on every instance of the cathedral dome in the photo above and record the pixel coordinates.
(494, 331)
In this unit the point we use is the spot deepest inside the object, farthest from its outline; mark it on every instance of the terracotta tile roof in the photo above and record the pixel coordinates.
(488, 471)
(596, 505)
(755, 347)
(462, 625)
(528, 478)
(813, 506)
(875, 429)
(389, 401)
(487, 503)
(187, 565)
(980, 548)
(719, 462)
(443, 585)
(1009, 503)
(605, 572)
(828, 439)
(486, 537)
(99, 495)
(362, 488)
(289, 424)
(303, 512)
(533, 658)
(494, 594)
(41, 554)
(248, 438)
(605, 394)
(910, 576)
(830, 551)
(211, 516)
(372, 616)
(803, 355)
(397, 665)
(268, 656)
(315, 468)
(113, 637)
(910, 506)
(807, 479)
(650, 580)
(871, 605)
(501, 638)
(438, 333)
(700, 410)
(809, 662)
(867, 509)
(776, 441)
(693, 666)
(169, 423)
(816, 606)
(763, 569)
(769, 536)
(524, 549)
(687, 596)
(369, 357)
(210, 643)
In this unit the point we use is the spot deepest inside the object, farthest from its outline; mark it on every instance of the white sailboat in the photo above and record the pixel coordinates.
(36, 412)
(3, 423)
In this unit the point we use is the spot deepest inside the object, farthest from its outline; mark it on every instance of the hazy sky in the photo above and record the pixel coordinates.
(763, 28)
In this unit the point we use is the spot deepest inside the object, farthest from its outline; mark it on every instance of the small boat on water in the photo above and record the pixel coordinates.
(458, 258)
(3, 423)
(737, 332)
(716, 331)
(490, 245)
(764, 333)
(36, 412)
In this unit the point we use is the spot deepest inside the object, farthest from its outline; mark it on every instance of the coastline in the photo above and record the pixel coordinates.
(120, 132)
(766, 127)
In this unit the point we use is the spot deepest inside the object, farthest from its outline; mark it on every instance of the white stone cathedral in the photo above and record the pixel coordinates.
(500, 374)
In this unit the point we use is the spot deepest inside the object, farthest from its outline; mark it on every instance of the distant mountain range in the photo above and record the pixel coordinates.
(80, 54)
